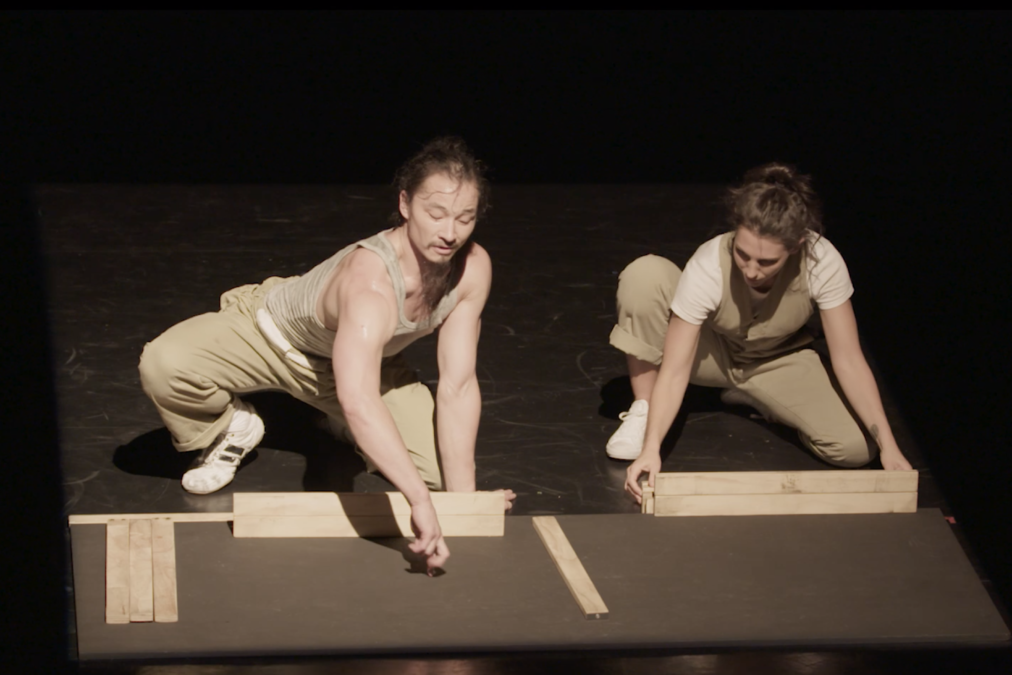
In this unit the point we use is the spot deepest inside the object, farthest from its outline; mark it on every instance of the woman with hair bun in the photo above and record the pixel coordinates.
(736, 318)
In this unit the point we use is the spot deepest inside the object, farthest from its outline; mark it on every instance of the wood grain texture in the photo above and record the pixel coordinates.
(163, 565)
(362, 526)
(102, 518)
(141, 591)
(784, 482)
(117, 572)
(361, 504)
(569, 565)
(785, 504)
(329, 514)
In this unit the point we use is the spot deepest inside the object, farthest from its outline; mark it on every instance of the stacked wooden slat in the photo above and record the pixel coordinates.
(140, 571)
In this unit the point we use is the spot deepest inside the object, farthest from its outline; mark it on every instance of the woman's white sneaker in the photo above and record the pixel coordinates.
(627, 442)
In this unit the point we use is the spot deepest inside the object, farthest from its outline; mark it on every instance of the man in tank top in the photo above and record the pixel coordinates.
(333, 338)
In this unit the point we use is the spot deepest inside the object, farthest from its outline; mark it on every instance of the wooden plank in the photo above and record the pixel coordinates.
(329, 514)
(362, 526)
(784, 482)
(103, 518)
(785, 504)
(163, 567)
(569, 565)
(361, 504)
(141, 592)
(117, 572)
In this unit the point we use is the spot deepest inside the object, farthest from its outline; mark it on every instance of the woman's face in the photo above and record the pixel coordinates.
(759, 258)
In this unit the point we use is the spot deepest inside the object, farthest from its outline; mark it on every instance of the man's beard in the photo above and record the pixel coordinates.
(438, 279)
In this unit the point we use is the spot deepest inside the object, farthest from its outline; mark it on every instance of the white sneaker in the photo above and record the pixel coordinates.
(739, 397)
(627, 441)
(221, 460)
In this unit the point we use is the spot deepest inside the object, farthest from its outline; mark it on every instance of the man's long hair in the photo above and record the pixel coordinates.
(447, 155)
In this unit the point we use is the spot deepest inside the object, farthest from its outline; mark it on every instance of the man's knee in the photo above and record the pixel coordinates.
(161, 362)
(848, 451)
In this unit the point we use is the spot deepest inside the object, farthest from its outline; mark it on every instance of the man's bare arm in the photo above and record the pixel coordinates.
(458, 397)
(367, 311)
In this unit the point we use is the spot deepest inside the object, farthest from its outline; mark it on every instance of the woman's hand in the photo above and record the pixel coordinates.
(893, 460)
(646, 462)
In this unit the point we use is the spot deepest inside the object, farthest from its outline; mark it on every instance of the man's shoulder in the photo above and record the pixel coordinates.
(361, 271)
(480, 258)
(477, 274)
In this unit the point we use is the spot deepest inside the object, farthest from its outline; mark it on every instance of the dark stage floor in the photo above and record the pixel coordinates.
(127, 262)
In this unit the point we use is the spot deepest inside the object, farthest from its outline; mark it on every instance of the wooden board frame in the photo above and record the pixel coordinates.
(739, 493)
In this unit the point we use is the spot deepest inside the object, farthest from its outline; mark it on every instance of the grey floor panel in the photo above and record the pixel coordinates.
(896, 579)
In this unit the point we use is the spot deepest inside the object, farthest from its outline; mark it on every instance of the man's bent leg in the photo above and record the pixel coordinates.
(411, 406)
(796, 390)
(193, 373)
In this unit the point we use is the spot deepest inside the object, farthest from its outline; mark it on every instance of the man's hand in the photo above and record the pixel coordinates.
(646, 462)
(509, 496)
(428, 537)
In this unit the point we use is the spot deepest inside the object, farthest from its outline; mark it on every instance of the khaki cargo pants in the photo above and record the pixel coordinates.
(195, 369)
(795, 387)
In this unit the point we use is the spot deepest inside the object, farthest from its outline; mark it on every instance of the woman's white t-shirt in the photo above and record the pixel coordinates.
(701, 285)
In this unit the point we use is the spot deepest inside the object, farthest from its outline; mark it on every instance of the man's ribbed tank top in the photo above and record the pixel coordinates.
(292, 303)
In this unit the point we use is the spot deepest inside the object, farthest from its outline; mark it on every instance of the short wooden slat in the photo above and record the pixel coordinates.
(784, 482)
(163, 554)
(117, 572)
(141, 591)
(647, 499)
(361, 504)
(103, 518)
(785, 504)
(569, 565)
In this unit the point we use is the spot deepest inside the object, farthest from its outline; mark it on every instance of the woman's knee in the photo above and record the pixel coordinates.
(646, 283)
(848, 451)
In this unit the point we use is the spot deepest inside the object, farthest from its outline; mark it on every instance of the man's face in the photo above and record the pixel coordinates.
(440, 216)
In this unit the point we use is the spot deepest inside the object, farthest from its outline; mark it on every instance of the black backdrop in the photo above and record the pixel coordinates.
(901, 117)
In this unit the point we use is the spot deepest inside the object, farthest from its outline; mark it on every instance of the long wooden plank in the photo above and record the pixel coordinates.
(103, 518)
(117, 572)
(362, 526)
(361, 504)
(785, 504)
(784, 482)
(569, 565)
(163, 566)
(141, 591)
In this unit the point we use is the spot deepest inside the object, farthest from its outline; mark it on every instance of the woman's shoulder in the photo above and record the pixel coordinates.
(822, 247)
(708, 253)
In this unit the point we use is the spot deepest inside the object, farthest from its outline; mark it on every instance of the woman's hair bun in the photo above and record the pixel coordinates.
(773, 173)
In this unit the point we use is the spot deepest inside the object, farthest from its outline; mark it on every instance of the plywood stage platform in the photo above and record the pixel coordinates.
(809, 580)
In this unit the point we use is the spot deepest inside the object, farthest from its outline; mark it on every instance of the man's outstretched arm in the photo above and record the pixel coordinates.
(367, 314)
